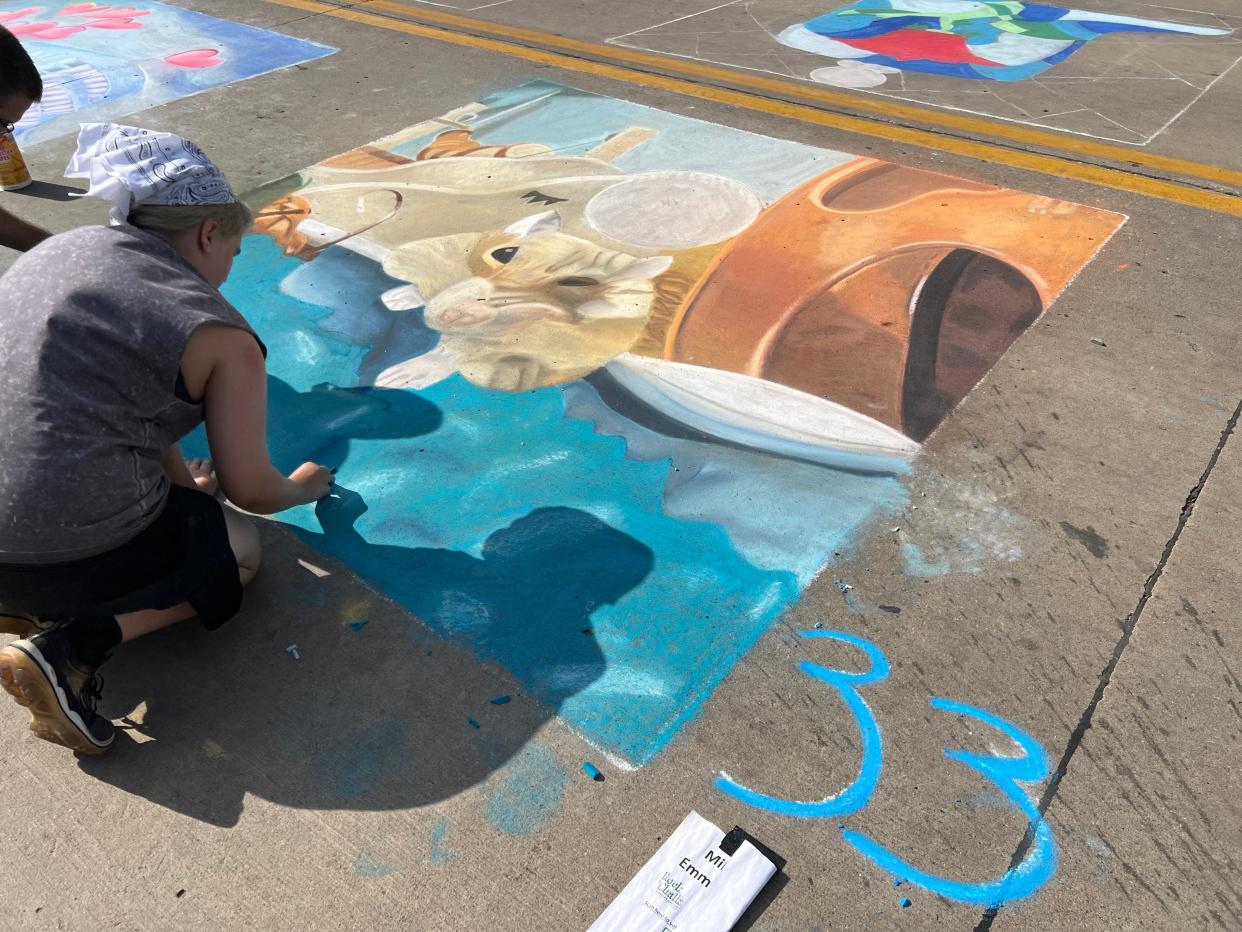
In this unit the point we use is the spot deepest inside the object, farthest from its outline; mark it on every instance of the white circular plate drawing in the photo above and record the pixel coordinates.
(673, 209)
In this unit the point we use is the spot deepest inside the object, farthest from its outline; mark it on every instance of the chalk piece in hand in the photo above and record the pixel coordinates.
(593, 772)
(500, 700)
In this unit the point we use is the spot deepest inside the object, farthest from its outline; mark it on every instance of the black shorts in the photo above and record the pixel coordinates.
(183, 556)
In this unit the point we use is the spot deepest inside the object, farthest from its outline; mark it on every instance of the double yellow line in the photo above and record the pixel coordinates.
(616, 63)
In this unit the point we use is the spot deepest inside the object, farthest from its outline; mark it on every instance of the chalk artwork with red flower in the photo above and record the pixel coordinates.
(100, 61)
(993, 40)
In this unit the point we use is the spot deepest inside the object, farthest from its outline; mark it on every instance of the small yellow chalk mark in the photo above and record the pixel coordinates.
(136, 718)
(355, 611)
(212, 749)
(312, 568)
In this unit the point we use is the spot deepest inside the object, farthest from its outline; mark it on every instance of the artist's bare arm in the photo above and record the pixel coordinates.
(18, 234)
(224, 366)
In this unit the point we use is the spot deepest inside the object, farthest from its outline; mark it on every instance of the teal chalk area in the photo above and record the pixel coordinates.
(441, 853)
(528, 792)
(509, 523)
(371, 868)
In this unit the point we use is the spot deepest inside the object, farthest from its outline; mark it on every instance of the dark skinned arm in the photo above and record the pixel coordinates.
(18, 234)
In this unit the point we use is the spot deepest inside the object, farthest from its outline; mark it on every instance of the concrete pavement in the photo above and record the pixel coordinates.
(1065, 560)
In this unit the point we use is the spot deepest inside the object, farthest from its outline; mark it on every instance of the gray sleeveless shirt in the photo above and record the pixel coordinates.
(93, 325)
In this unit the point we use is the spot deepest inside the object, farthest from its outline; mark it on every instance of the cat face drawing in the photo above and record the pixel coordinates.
(521, 308)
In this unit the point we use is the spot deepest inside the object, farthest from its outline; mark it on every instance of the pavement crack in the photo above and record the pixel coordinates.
(1106, 675)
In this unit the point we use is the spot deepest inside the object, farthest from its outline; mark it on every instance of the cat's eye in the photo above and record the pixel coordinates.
(504, 256)
(577, 282)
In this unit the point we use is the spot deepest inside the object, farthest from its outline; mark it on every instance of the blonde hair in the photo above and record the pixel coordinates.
(234, 218)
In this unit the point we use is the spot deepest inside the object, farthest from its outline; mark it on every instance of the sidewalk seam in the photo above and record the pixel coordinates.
(1127, 631)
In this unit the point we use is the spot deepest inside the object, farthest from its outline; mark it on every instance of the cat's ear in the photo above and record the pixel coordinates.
(643, 269)
(547, 222)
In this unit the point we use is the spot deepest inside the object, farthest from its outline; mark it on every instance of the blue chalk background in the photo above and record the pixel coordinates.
(618, 573)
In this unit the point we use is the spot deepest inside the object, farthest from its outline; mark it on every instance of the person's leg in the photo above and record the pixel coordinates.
(244, 539)
(53, 673)
(247, 551)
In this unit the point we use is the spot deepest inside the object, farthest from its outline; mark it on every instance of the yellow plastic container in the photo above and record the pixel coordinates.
(14, 175)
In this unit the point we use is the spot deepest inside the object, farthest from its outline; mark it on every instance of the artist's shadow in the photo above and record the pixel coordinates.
(51, 191)
(380, 716)
(321, 424)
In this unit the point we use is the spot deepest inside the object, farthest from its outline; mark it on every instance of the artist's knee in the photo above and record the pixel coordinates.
(246, 544)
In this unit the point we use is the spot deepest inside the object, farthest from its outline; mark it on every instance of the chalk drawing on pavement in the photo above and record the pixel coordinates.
(604, 305)
(1120, 70)
(100, 62)
(1006, 773)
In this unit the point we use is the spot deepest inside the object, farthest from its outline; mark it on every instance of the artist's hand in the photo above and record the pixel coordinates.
(204, 475)
(313, 481)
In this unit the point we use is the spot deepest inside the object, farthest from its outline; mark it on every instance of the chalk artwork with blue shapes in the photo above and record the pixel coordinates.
(100, 62)
(542, 337)
(995, 40)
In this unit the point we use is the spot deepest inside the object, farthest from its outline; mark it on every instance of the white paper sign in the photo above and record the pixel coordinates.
(689, 885)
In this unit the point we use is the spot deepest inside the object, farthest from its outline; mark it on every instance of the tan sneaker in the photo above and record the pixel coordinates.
(24, 626)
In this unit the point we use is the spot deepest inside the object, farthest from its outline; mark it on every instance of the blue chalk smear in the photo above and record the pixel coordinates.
(358, 625)
(905, 903)
(501, 700)
(592, 771)
(473, 723)
(371, 868)
(529, 794)
(441, 853)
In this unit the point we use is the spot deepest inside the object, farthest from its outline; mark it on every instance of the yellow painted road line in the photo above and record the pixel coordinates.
(983, 151)
(881, 106)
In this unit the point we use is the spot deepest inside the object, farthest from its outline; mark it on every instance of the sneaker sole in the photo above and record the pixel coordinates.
(22, 627)
(27, 682)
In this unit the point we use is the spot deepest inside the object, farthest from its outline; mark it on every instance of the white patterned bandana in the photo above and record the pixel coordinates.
(128, 166)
